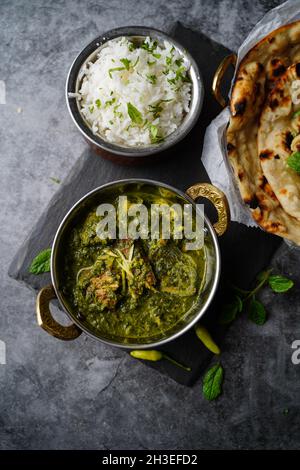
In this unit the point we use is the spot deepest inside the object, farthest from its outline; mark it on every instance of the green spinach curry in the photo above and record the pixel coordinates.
(131, 288)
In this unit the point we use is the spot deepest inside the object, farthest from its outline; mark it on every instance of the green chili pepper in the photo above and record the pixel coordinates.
(149, 355)
(152, 355)
(204, 336)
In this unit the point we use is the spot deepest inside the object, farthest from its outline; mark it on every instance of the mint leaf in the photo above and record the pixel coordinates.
(152, 79)
(279, 283)
(41, 263)
(212, 382)
(257, 313)
(134, 114)
(293, 161)
(230, 311)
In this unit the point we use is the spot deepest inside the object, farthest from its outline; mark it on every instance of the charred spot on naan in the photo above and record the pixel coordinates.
(247, 92)
(266, 154)
(275, 69)
(288, 139)
(262, 215)
(253, 203)
(239, 107)
(230, 147)
(240, 175)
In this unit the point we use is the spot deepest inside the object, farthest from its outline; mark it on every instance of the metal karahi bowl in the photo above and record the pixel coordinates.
(115, 152)
(97, 196)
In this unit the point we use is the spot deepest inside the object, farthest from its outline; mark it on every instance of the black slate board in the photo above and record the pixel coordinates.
(245, 251)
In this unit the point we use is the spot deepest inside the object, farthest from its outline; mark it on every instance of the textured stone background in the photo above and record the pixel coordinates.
(83, 394)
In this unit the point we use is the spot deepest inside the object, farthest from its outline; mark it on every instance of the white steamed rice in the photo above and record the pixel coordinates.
(133, 95)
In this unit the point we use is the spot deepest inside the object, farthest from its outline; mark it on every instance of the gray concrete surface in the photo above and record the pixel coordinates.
(84, 395)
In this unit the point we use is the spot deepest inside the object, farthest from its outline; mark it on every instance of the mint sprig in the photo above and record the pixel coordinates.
(245, 300)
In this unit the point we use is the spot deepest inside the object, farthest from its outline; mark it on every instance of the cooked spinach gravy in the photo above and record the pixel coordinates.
(130, 288)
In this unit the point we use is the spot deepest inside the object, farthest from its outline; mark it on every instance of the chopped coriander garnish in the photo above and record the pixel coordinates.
(91, 109)
(155, 109)
(115, 69)
(168, 60)
(98, 103)
(110, 102)
(117, 113)
(136, 62)
(148, 47)
(151, 63)
(152, 79)
(180, 74)
(131, 46)
(153, 131)
(111, 123)
(172, 81)
(126, 63)
(179, 62)
(151, 49)
(134, 114)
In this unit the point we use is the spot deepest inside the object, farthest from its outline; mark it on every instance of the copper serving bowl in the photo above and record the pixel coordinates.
(98, 195)
(115, 152)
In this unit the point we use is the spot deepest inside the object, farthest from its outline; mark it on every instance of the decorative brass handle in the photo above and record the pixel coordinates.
(218, 199)
(219, 74)
(47, 322)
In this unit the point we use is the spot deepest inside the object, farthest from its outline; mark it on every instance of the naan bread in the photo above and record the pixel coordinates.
(257, 74)
(278, 138)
